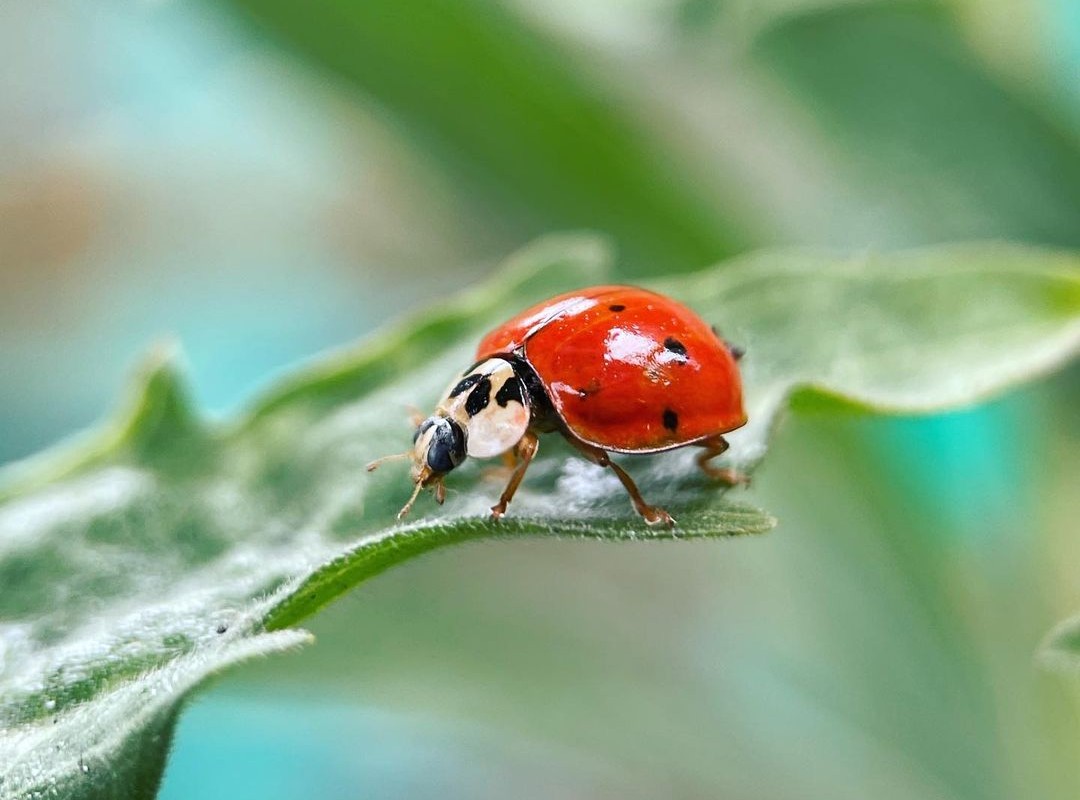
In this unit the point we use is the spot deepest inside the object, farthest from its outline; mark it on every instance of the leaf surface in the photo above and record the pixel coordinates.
(146, 557)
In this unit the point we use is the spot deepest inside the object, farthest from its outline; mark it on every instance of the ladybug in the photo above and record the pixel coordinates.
(614, 369)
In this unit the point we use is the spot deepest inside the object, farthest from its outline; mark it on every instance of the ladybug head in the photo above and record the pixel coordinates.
(438, 447)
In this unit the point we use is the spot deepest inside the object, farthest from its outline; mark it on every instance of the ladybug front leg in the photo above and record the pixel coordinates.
(504, 471)
(525, 450)
(651, 514)
(714, 447)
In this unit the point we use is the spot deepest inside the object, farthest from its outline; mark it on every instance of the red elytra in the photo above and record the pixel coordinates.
(627, 370)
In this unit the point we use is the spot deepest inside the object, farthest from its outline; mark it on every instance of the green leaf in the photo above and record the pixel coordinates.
(1061, 648)
(515, 119)
(143, 559)
(907, 108)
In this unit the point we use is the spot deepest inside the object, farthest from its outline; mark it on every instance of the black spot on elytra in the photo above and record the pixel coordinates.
(673, 345)
(510, 391)
(591, 388)
(671, 419)
(479, 397)
(617, 308)
(465, 383)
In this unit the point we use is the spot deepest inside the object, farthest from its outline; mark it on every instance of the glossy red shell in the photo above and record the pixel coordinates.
(626, 369)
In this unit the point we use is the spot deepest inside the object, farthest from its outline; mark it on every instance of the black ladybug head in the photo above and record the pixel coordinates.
(440, 445)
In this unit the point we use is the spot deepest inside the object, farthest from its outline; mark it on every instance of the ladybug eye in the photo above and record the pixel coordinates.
(423, 426)
(447, 447)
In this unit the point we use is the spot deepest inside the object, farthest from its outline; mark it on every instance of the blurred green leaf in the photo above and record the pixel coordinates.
(1061, 649)
(911, 112)
(515, 119)
(140, 561)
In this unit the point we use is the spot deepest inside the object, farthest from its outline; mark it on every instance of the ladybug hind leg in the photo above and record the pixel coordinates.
(652, 515)
(716, 446)
(524, 451)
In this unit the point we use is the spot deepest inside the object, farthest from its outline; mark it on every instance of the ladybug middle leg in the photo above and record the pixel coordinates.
(651, 514)
(524, 450)
(715, 446)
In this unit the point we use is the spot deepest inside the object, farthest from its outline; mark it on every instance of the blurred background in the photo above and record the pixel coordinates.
(262, 179)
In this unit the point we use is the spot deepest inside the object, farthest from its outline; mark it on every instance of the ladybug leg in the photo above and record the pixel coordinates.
(651, 514)
(502, 472)
(714, 447)
(412, 499)
(525, 450)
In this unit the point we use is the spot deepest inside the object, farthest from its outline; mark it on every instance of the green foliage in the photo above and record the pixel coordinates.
(514, 119)
(144, 559)
(1061, 650)
(932, 133)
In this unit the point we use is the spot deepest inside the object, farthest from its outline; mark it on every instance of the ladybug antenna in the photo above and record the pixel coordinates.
(373, 465)
(416, 416)
(736, 351)
(405, 508)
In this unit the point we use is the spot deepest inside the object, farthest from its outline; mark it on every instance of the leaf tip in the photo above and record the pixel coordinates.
(159, 411)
